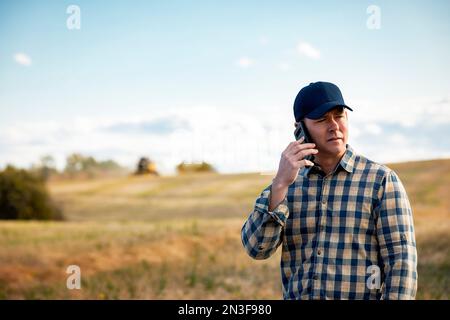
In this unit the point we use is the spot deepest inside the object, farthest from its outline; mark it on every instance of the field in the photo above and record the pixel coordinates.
(179, 238)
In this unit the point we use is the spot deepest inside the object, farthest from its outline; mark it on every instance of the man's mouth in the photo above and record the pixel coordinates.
(333, 139)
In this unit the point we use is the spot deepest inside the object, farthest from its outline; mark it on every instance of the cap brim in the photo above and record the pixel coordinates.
(324, 108)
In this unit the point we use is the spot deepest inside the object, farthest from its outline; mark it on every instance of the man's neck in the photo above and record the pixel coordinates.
(328, 163)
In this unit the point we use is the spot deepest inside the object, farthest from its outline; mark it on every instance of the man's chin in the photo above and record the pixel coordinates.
(335, 147)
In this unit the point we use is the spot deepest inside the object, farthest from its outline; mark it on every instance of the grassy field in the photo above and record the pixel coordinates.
(179, 238)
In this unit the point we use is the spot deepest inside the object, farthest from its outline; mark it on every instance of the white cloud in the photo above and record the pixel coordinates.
(398, 138)
(373, 128)
(245, 62)
(232, 140)
(22, 59)
(354, 131)
(306, 49)
(404, 112)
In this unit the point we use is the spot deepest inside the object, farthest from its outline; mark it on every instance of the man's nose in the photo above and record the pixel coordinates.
(333, 125)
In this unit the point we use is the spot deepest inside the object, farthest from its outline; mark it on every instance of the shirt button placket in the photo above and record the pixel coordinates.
(324, 192)
(321, 237)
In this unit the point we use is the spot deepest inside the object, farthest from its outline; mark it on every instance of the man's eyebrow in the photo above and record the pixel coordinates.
(337, 112)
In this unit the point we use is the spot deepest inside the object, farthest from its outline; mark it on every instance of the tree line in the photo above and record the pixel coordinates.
(24, 194)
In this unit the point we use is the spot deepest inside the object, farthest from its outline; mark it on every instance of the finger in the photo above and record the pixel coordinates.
(290, 145)
(306, 163)
(306, 145)
(296, 142)
(294, 149)
(300, 146)
(303, 146)
(305, 152)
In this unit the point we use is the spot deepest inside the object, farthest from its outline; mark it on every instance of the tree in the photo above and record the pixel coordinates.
(45, 167)
(74, 163)
(23, 195)
(77, 164)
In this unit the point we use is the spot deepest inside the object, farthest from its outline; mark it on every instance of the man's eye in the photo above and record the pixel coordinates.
(321, 120)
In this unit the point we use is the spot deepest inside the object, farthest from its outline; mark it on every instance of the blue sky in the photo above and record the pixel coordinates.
(215, 81)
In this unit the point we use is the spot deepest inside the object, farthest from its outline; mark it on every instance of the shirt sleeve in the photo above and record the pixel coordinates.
(395, 233)
(262, 232)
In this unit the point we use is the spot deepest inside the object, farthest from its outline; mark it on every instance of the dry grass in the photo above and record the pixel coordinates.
(179, 238)
(188, 259)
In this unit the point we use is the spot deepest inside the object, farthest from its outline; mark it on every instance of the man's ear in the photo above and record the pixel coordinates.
(306, 120)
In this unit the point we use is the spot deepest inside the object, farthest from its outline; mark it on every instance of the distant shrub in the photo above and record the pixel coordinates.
(23, 195)
(194, 167)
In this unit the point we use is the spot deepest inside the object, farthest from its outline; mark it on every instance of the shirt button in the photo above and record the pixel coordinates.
(319, 252)
(324, 201)
(315, 277)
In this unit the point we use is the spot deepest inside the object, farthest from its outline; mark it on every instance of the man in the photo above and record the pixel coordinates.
(344, 222)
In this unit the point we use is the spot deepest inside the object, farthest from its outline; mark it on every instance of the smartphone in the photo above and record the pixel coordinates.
(301, 131)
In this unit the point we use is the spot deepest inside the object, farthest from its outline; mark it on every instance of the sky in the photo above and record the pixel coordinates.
(215, 81)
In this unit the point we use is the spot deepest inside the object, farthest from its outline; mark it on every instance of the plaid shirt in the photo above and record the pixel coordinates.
(338, 232)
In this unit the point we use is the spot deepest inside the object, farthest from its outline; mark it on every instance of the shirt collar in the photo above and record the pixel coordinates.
(347, 163)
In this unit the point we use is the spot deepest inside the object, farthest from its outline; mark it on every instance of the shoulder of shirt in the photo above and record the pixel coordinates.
(363, 163)
(360, 164)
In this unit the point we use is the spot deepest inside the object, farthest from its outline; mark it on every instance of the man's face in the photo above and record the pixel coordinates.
(330, 133)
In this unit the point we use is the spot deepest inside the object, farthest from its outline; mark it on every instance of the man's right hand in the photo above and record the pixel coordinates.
(292, 160)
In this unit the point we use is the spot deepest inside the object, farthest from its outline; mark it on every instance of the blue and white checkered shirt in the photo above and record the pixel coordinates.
(346, 235)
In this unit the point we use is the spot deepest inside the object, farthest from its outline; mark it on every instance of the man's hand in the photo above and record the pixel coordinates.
(292, 160)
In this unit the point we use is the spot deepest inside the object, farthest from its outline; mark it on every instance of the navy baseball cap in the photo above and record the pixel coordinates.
(316, 99)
